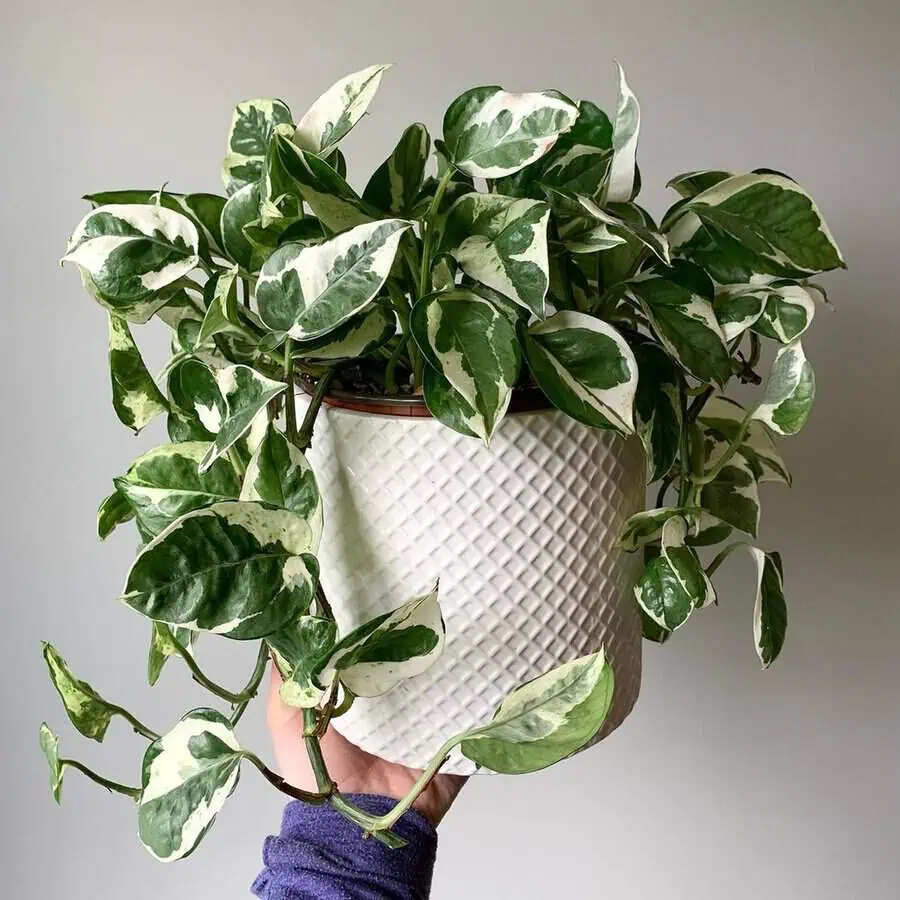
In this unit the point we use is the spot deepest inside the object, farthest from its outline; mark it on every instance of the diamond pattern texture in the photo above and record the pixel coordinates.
(522, 536)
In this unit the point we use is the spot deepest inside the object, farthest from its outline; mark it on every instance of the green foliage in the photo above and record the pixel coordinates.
(508, 253)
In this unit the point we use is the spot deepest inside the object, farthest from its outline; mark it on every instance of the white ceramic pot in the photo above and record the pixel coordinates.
(522, 536)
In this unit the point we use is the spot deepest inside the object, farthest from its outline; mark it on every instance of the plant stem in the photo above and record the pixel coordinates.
(280, 784)
(235, 461)
(135, 723)
(684, 446)
(345, 704)
(290, 410)
(208, 683)
(711, 475)
(252, 687)
(245, 293)
(428, 226)
(304, 436)
(113, 786)
(390, 373)
(314, 751)
(723, 554)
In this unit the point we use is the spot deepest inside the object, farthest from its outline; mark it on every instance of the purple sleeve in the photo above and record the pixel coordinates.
(319, 855)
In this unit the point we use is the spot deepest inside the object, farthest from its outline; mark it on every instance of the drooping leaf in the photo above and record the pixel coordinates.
(770, 609)
(162, 645)
(237, 568)
(390, 648)
(309, 291)
(446, 403)
(240, 211)
(395, 184)
(197, 407)
(279, 474)
(359, 336)
(689, 184)
(545, 720)
(502, 242)
(474, 346)
(245, 393)
(187, 775)
(770, 216)
(789, 392)
(135, 397)
(86, 709)
(738, 306)
(489, 133)
(585, 367)
(165, 483)
(50, 747)
(221, 313)
(657, 408)
(734, 496)
(113, 511)
(252, 125)
(303, 648)
(131, 251)
(330, 118)
(787, 314)
(622, 179)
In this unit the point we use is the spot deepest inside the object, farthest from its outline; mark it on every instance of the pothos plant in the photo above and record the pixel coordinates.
(521, 260)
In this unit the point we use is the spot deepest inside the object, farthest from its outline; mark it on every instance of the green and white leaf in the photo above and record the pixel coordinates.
(330, 118)
(163, 642)
(789, 393)
(395, 646)
(237, 568)
(165, 483)
(359, 336)
(245, 393)
(302, 648)
(222, 313)
(490, 133)
(770, 610)
(474, 346)
(545, 720)
(309, 291)
(768, 214)
(86, 709)
(279, 474)
(733, 496)
(197, 407)
(252, 125)
(788, 312)
(618, 227)
(135, 397)
(187, 775)
(689, 184)
(738, 307)
(50, 747)
(585, 367)
(502, 242)
(396, 183)
(113, 511)
(131, 251)
(622, 179)
(686, 325)
(657, 408)
(242, 210)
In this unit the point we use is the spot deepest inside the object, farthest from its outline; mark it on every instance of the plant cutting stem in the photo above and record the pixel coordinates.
(304, 436)
(135, 723)
(114, 786)
(290, 411)
(723, 554)
(280, 784)
(235, 461)
(253, 684)
(208, 683)
(428, 225)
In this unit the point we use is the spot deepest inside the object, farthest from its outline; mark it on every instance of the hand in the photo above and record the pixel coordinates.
(353, 770)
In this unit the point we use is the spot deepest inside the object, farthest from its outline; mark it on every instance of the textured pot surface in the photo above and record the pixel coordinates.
(522, 536)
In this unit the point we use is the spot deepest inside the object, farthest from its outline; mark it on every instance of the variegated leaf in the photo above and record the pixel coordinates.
(789, 392)
(359, 336)
(646, 526)
(389, 649)
(131, 251)
(252, 125)
(187, 775)
(474, 346)
(197, 407)
(395, 184)
(788, 312)
(734, 496)
(686, 325)
(292, 170)
(502, 242)
(622, 180)
(770, 610)
(545, 720)
(309, 291)
(738, 306)
(241, 210)
(490, 133)
(446, 403)
(657, 408)
(245, 393)
(279, 474)
(86, 709)
(673, 584)
(769, 215)
(113, 511)
(50, 747)
(135, 397)
(163, 642)
(221, 313)
(302, 648)
(689, 184)
(656, 243)
(585, 367)
(165, 483)
(237, 568)
(204, 210)
(330, 118)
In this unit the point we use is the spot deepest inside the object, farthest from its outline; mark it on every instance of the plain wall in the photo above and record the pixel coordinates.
(727, 782)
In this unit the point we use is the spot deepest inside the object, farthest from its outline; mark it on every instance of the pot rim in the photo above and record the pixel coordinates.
(524, 400)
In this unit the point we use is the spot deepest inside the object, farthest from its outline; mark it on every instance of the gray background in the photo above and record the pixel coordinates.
(726, 782)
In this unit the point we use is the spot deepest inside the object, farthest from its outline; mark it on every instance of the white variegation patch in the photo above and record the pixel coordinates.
(269, 526)
(789, 393)
(626, 131)
(738, 306)
(252, 126)
(788, 312)
(358, 336)
(136, 398)
(330, 118)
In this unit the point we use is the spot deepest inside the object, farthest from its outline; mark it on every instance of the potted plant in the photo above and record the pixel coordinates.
(495, 358)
